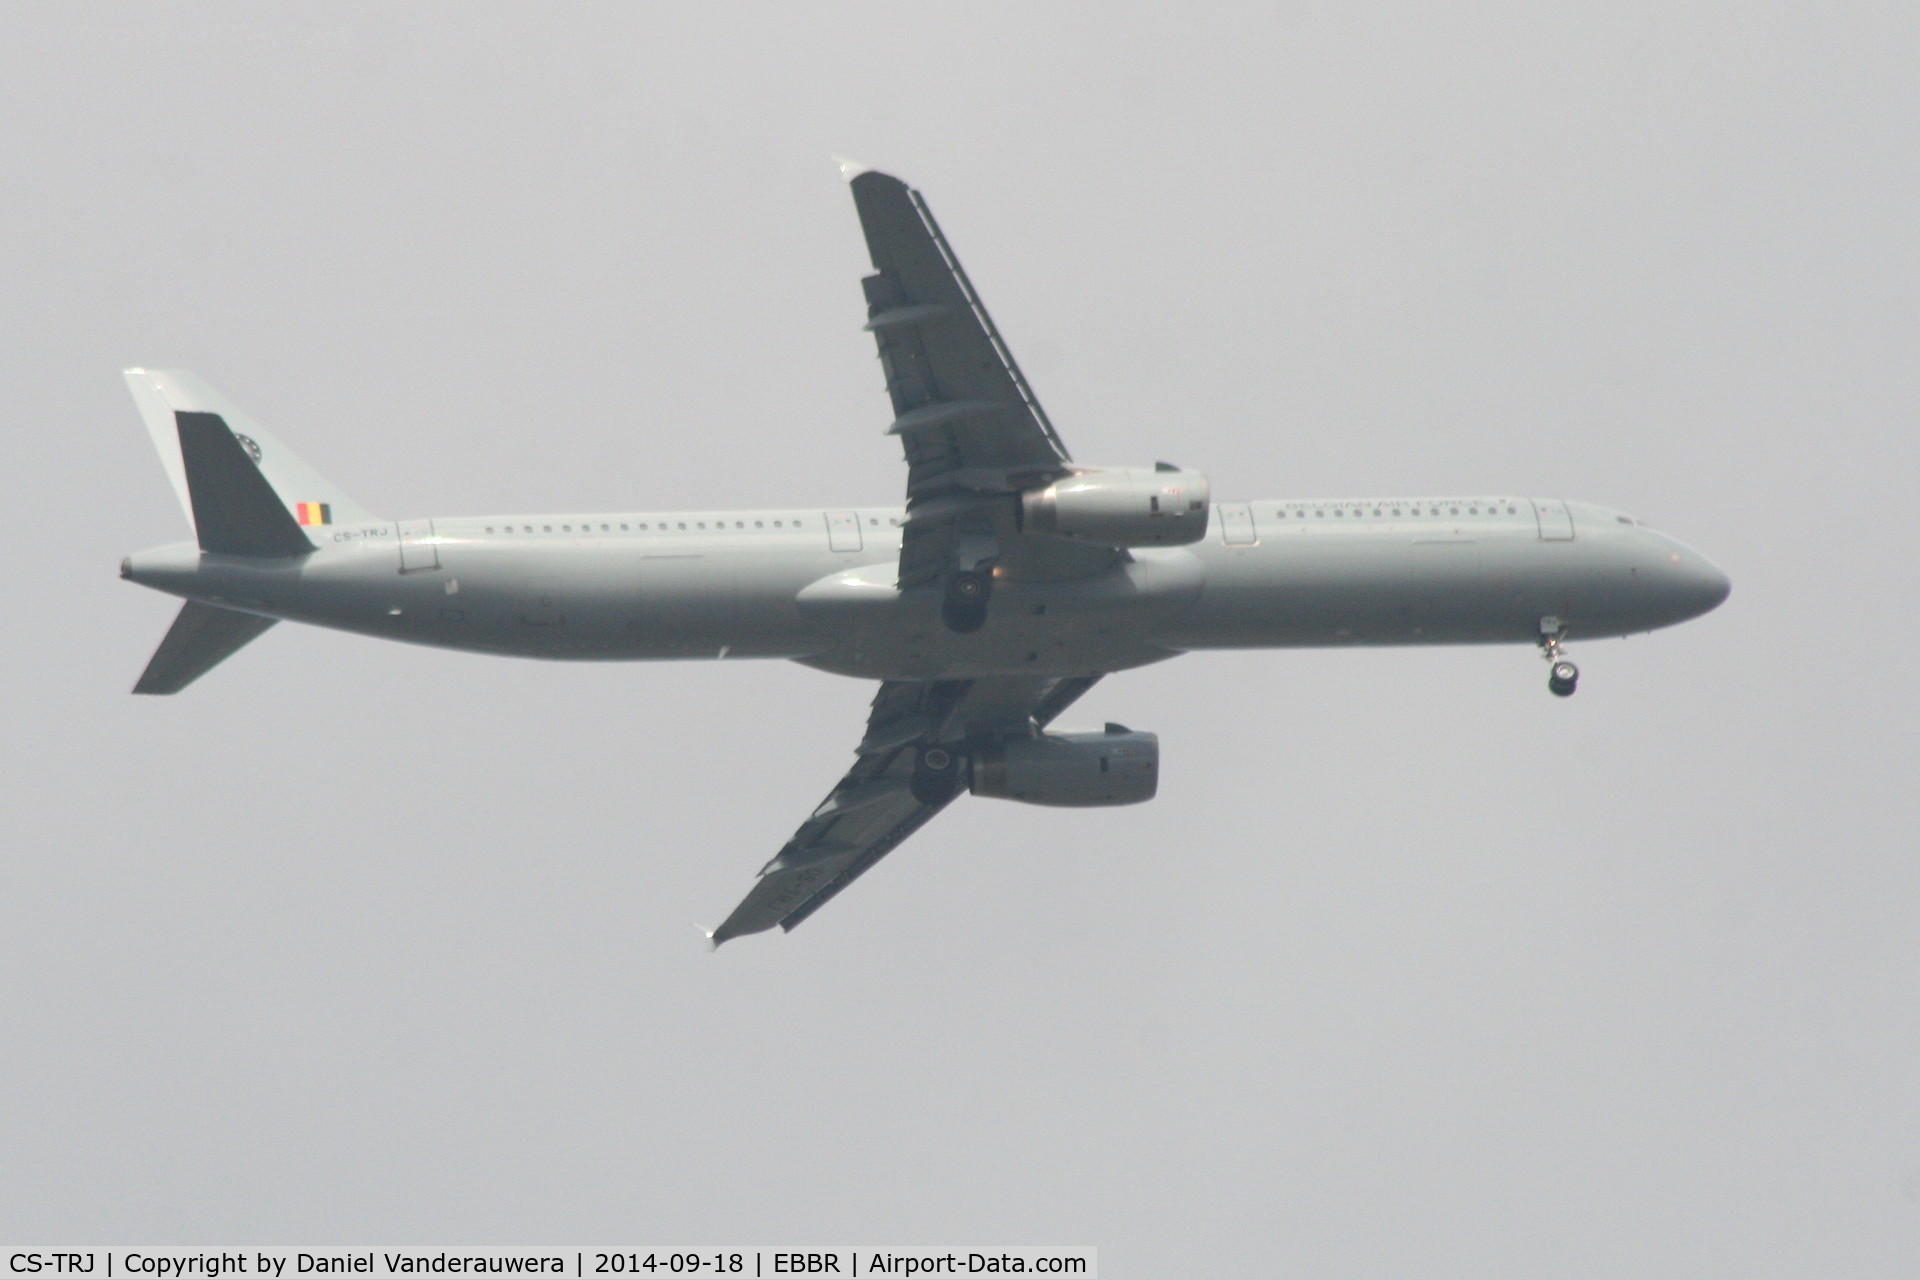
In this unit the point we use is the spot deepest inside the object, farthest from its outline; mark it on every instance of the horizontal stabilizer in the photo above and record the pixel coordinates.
(201, 638)
(235, 511)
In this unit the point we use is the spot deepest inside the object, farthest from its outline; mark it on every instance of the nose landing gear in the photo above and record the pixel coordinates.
(1562, 677)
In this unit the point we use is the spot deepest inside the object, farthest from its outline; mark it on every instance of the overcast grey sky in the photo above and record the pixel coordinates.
(1411, 970)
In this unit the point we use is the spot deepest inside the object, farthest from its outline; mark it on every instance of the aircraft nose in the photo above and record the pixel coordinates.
(1696, 584)
(1715, 586)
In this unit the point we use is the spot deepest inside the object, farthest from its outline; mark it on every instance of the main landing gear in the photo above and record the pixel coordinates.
(1563, 677)
(936, 775)
(964, 606)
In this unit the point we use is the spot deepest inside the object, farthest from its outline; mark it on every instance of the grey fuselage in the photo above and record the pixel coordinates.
(819, 586)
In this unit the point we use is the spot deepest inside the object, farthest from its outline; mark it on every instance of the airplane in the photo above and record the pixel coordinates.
(1009, 581)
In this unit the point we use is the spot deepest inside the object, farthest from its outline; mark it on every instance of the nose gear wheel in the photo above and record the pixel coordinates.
(1562, 676)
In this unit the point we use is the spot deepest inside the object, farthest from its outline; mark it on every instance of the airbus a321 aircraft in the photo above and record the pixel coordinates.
(1011, 579)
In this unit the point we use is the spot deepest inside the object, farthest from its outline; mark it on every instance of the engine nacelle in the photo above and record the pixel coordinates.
(1078, 770)
(1121, 507)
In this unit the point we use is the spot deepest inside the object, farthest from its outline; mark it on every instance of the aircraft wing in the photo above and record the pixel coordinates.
(890, 793)
(973, 432)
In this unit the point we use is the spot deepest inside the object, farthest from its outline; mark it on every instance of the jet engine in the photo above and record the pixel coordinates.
(1121, 507)
(1081, 770)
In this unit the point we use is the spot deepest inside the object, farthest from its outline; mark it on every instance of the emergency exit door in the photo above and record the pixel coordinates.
(843, 530)
(1556, 522)
(418, 550)
(1236, 524)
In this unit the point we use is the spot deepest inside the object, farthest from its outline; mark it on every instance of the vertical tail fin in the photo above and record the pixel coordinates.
(165, 396)
(235, 510)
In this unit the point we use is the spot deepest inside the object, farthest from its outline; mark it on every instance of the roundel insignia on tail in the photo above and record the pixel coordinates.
(250, 445)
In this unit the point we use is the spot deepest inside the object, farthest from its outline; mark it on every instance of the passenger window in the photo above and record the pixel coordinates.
(547, 527)
(1339, 514)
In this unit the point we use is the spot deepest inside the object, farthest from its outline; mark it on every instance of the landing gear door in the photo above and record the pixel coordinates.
(843, 531)
(1556, 522)
(418, 550)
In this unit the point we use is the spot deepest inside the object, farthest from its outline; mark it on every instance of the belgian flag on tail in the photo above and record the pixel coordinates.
(313, 512)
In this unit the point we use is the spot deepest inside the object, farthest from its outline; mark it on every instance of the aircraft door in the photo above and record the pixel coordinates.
(1556, 522)
(843, 531)
(418, 550)
(1236, 524)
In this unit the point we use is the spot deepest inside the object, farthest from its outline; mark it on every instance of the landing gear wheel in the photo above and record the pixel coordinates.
(936, 775)
(964, 608)
(1564, 679)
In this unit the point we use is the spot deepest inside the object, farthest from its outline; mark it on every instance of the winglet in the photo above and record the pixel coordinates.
(851, 169)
